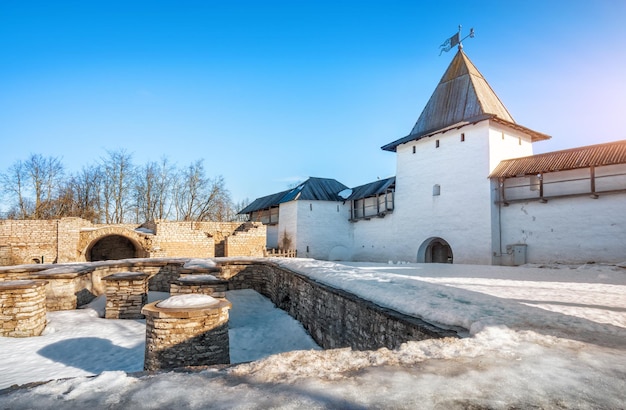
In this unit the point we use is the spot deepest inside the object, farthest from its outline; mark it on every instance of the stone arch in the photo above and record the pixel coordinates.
(339, 253)
(435, 250)
(113, 242)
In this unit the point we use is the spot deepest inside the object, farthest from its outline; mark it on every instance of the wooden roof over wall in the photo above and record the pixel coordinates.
(582, 157)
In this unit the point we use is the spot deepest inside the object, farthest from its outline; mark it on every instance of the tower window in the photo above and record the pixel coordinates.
(437, 144)
(462, 137)
(436, 190)
(414, 149)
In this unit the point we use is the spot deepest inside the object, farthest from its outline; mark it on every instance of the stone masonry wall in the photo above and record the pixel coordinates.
(69, 239)
(182, 239)
(25, 241)
(69, 229)
(249, 241)
(186, 337)
(22, 308)
(333, 317)
(126, 294)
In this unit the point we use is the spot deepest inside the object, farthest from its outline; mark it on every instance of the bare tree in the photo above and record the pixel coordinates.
(199, 198)
(117, 173)
(82, 194)
(238, 206)
(13, 183)
(153, 187)
(114, 191)
(45, 177)
(34, 185)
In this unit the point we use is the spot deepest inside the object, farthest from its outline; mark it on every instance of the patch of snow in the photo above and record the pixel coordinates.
(145, 230)
(127, 274)
(538, 338)
(345, 194)
(191, 300)
(199, 263)
(17, 282)
(191, 278)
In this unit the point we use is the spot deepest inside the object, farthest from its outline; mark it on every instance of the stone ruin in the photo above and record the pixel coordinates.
(193, 334)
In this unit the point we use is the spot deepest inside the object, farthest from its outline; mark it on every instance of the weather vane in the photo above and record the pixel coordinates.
(454, 40)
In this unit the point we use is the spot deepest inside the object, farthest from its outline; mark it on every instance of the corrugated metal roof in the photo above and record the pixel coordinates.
(581, 157)
(316, 189)
(463, 96)
(371, 189)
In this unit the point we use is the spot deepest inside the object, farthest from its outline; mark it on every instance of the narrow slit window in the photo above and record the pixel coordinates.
(437, 144)
(502, 135)
(414, 149)
(519, 140)
(462, 137)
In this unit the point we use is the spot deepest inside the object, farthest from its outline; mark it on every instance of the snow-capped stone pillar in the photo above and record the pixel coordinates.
(186, 330)
(22, 308)
(127, 293)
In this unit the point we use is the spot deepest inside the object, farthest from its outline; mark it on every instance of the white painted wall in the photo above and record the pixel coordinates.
(323, 230)
(506, 143)
(568, 230)
(461, 213)
(318, 229)
(288, 223)
(375, 240)
(572, 229)
(466, 214)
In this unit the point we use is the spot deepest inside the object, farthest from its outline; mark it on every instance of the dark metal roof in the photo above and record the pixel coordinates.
(582, 157)
(371, 189)
(264, 202)
(462, 97)
(316, 189)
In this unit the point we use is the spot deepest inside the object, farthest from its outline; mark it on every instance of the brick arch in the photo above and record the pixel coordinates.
(88, 239)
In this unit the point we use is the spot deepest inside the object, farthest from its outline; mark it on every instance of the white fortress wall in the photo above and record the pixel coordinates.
(460, 214)
(324, 230)
(287, 225)
(570, 229)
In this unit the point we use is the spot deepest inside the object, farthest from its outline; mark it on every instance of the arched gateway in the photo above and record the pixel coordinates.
(111, 243)
(110, 248)
(434, 250)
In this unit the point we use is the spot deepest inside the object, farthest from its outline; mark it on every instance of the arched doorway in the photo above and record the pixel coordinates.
(112, 247)
(435, 250)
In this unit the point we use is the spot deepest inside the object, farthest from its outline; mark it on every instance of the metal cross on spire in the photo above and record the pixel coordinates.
(455, 40)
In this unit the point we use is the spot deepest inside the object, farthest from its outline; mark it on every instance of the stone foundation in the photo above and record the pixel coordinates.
(187, 335)
(200, 284)
(22, 308)
(333, 317)
(126, 293)
(68, 287)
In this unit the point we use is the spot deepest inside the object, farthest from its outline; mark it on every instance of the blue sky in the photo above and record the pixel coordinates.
(271, 92)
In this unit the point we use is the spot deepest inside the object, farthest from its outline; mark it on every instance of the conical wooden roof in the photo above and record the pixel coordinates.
(462, 96)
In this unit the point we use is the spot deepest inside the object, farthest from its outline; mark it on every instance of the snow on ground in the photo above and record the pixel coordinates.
(538, 337)
(80, 342)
